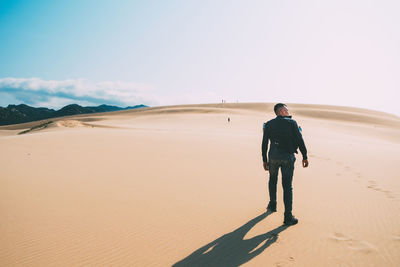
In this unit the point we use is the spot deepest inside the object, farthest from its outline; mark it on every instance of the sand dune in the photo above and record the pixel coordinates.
(179, 185)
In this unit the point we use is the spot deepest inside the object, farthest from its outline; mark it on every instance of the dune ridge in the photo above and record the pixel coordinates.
(324, 112)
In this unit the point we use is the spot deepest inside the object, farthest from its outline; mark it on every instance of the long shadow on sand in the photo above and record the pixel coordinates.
(231, 249)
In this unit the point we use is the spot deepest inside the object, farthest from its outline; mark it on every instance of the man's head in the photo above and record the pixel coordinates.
(281, 109)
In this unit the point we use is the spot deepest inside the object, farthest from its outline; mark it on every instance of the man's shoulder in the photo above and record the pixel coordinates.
(290, 120)
(278, 121)
(268, 123)
(280, 118)
(272, 120)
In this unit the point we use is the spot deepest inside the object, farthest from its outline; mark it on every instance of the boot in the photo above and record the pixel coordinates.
(290, 220)
(271, 206)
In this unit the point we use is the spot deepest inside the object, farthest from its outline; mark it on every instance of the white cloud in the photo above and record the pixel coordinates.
(57, 93)
(57, 102)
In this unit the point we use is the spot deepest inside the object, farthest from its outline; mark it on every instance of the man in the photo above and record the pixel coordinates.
(285, 137)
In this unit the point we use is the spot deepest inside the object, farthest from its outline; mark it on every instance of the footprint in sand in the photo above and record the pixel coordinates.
(374, 186)
(362, 246)
(357, 178)
(353, 244)
(318, 157)
(288, 262)
(339, 237)
(388, 194)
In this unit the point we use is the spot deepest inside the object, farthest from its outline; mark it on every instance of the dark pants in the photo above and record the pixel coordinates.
(287, 168)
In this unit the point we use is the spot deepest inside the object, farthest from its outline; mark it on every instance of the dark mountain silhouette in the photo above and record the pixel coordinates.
(13, 114)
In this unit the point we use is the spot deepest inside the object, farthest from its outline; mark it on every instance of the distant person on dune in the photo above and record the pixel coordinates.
(285, 137)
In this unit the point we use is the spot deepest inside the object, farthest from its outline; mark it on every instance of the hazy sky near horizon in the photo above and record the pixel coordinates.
(54, 53)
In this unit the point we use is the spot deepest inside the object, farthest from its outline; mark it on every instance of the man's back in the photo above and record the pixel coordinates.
(285, 137)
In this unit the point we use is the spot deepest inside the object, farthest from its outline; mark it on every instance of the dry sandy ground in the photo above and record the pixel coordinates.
(181, 186)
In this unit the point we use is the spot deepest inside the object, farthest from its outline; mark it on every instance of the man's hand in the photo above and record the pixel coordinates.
(305, 163)
(266, 167)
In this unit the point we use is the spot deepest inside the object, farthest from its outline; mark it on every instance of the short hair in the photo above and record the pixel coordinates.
(277, 107)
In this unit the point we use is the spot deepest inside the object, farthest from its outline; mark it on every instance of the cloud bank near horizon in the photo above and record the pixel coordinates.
(58, 93)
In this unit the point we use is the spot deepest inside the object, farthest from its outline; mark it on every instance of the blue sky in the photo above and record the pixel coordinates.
(53, 53)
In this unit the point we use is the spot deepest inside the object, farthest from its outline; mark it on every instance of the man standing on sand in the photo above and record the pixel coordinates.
(285, 137)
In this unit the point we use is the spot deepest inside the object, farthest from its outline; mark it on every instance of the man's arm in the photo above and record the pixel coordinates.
(300, 143)
(264, 147)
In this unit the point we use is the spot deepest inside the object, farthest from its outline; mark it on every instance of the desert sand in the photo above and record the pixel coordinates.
(179, 185)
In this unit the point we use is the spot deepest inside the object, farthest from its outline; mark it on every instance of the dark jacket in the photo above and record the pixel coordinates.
(285, 137)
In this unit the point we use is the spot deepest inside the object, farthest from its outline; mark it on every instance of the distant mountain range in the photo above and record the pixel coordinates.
(23, 113)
